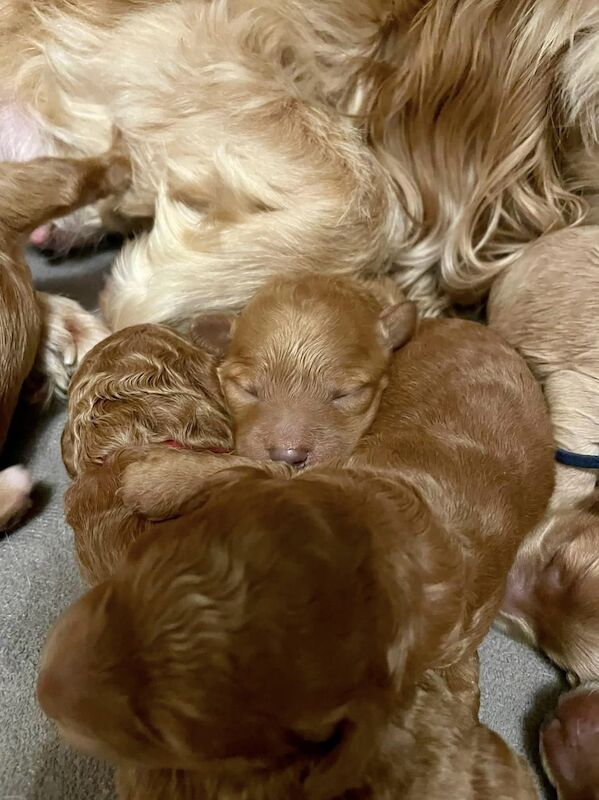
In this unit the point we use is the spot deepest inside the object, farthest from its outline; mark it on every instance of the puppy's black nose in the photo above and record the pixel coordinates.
(294, 456)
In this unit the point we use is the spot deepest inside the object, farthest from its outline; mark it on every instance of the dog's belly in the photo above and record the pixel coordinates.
(21, 136)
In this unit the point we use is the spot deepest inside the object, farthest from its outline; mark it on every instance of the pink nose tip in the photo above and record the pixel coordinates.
(295, 456)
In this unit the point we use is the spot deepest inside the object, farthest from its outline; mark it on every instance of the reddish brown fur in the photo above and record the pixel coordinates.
(570, 744)
(142, 385)
(300, 638)
(29, 195)
(307, 364)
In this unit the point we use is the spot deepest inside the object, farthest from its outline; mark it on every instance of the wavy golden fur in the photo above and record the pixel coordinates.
(428, 140)
(301, 638)
(143, 385)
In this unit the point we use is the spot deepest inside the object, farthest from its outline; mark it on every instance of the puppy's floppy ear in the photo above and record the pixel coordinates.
(397, 324)
(67, 450)
(213, 331)
(342, 768)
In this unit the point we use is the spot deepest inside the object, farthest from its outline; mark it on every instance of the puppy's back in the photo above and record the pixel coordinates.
(546, 304)
(464, 421)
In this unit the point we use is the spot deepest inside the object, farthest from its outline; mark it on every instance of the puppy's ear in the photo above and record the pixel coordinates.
(72, 685)
(397, 324)
(341, 770)
(213, 331)
(68, 451)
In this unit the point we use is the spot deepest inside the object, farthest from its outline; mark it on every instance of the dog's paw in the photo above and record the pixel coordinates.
(570, 745)
(81, 228)
(68, 333)
(15, 496)
(163, 480)
(59, 239)
(146, 483)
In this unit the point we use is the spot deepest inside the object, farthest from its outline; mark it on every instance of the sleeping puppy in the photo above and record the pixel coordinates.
(552, 594)
(546, 306)
(35, 323)
(307, 362)
(292, 638)
(145, 384)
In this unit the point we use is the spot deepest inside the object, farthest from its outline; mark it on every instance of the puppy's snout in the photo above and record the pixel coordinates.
(296, 456)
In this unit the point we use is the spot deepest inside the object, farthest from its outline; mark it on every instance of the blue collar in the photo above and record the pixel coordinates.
(578, 460)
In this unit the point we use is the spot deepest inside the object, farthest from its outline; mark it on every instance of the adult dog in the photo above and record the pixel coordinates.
(426, 139)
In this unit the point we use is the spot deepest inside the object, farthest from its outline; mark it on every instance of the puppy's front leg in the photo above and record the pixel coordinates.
(40, 190)
(68, 332)
(163, 482)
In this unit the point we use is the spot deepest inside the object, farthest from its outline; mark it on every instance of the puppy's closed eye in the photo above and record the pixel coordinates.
(350, 394)
(242, 389)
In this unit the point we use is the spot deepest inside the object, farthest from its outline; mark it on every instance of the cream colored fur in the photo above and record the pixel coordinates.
(431, 139)
(547, 306)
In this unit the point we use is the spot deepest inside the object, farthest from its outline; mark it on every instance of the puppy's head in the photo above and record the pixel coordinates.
(307, 362)
(552, 595)
(251, 634)
(141, 385)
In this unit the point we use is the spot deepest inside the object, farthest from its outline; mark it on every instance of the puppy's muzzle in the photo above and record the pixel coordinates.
(296, 457)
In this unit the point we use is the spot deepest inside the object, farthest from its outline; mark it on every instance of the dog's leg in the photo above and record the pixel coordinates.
(32, 193)
(22, 139)
(37, 191)
(68, 333)
(573, 400)
(162, 482)
(15, 489)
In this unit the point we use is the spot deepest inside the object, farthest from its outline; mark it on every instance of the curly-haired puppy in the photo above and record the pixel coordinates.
(546, 306)
(297, 637)
(142, 385)
(306, 364)
(33, 323)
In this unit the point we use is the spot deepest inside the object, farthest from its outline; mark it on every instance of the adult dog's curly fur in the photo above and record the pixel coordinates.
(431, 139)
(300, 638)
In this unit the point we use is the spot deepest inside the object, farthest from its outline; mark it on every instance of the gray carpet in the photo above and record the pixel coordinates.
(38, 578)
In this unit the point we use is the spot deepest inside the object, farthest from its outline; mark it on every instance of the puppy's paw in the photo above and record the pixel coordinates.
(81, 228)
(68, 333)
(142, 484)
(570, 745)
(15, 495)
(163, 480)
